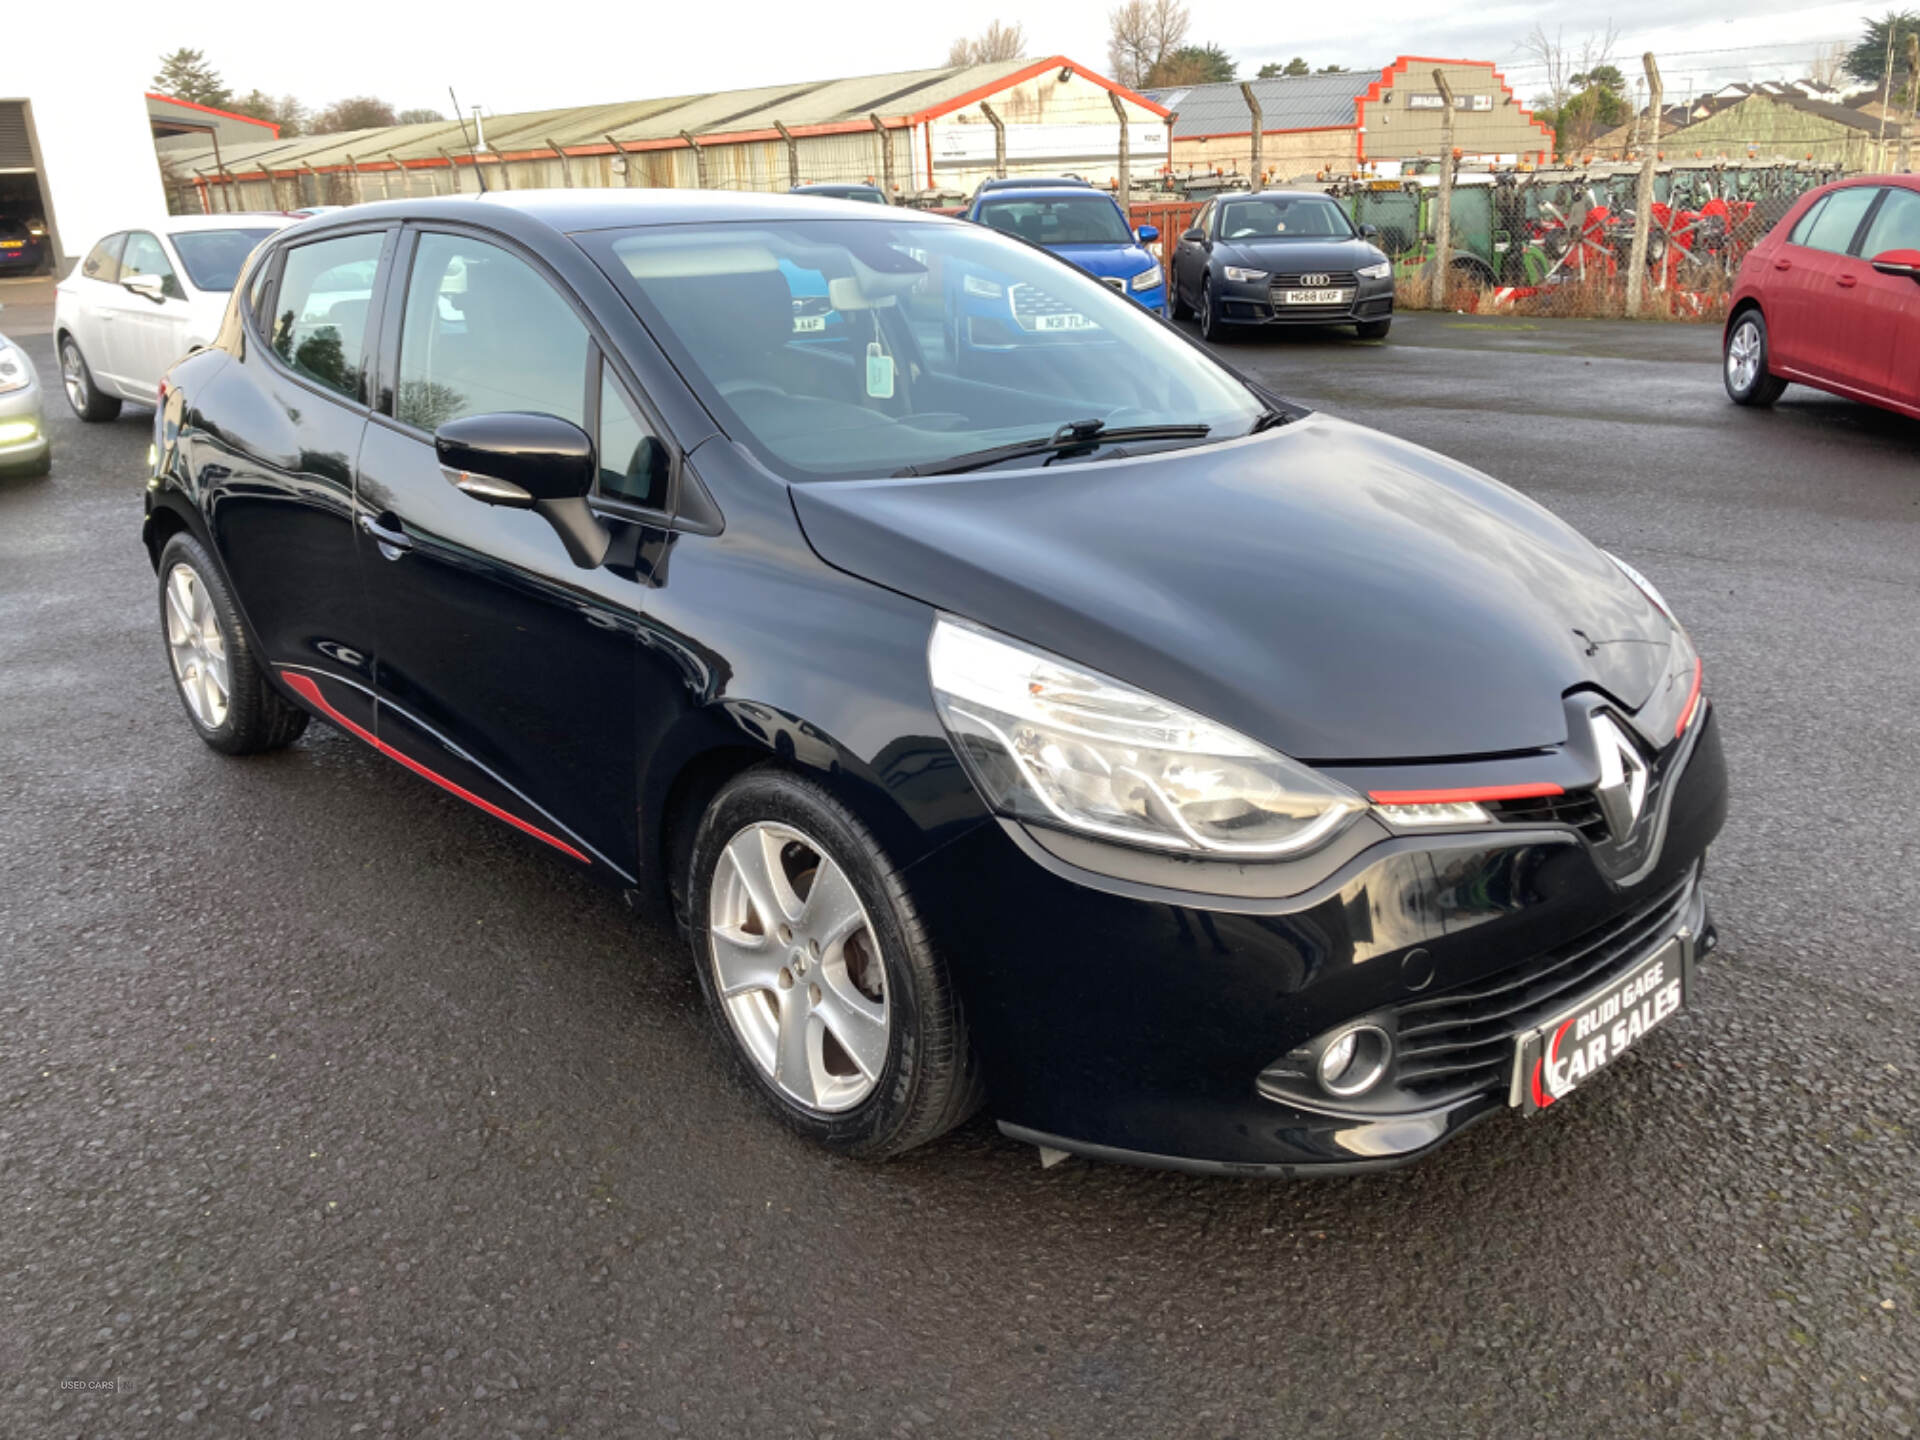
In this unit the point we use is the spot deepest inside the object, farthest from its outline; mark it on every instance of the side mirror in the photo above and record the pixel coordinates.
(1147, 234)
(1370, 232)
(529, 462)
(1193, 235)
(153, 287)
(1898, 262)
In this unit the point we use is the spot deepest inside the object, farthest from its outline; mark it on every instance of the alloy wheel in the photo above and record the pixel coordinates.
(1743, 356)
(73, 374)
(197, 648)
(798, 967)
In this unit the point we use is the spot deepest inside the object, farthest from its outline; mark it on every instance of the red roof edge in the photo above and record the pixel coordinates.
(1028, 72)
(209, 110)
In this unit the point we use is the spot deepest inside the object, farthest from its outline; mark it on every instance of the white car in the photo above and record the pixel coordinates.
(24, 448)
(143, 298)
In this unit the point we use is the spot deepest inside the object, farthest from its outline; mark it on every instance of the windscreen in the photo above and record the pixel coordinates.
(846, 348)
(1058, 220)
(1302, 217)
(213, 257)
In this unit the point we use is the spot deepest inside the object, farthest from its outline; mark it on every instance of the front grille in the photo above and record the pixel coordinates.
(1579, 808)
(1030, 302)
(1336, 280)
(1455, 1044)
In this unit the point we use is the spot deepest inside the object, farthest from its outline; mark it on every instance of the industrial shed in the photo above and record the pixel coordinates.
(919, 133)
(1342, 124)
(1789, 126)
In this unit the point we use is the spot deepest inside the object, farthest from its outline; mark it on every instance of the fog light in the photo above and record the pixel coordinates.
(12, 430)
(1354, 1060)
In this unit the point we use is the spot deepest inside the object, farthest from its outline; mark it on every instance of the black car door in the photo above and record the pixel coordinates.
(1190, 256)
(506, 672)
(275, 459)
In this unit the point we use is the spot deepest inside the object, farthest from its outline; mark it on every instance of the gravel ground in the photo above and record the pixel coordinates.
(328, 1107)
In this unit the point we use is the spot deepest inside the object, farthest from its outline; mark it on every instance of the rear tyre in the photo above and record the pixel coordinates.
(820, 973)
(1745, 363)
(221, 687)
(77, 380)
(1373, 329)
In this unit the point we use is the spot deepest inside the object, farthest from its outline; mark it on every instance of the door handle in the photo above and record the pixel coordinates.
(393, 541)
(1783, 264)
(1846, 282)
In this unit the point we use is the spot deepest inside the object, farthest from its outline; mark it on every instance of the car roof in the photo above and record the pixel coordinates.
(570, 211)
(1277, 195)
(236, 220)
(1021, 182)
(831, 187)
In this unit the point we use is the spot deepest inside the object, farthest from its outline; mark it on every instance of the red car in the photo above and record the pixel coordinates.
(1827, 298)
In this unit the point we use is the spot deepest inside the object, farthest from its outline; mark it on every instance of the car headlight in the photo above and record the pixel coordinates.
(978, 285)
(1146, 279)
(1244, 277)
(1376, 272)
(13, 369)
(1046, 740)
(1676, 698)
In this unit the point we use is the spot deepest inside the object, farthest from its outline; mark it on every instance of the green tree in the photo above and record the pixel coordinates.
(1867, 61)
(359, 112)
(1607, 77)
(1331, 70)
(1273, 68)
(186, 75)
(286, 111)
(419, 116)
(1192, 65)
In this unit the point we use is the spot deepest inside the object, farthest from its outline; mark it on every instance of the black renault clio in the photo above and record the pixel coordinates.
(1192, 779)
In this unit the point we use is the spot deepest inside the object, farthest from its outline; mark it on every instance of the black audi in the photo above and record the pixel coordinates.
(1190, 778)
(1282, 257)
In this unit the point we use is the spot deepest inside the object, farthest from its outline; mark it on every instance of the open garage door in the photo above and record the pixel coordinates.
(24, 224)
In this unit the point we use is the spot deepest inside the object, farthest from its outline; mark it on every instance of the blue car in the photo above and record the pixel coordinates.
(1081, 225)
(21, 251)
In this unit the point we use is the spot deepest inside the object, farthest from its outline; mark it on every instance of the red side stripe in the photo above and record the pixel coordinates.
(304, 686)
(1460, 797)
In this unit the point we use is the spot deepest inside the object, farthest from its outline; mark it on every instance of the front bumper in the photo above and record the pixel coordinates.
(1122, 1019)
(23, 430)
(1254, 304)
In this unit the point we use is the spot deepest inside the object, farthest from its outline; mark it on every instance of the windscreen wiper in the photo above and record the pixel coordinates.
(1074, 436)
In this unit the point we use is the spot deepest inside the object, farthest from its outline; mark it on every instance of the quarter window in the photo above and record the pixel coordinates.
(633, 461)
(1896, 224)
(1833, 228)
(484, 332)
(103, 261)
(320, 320)
(144, 256)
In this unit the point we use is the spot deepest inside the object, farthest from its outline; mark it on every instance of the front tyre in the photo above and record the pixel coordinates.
(1745, 367)
(1177, 302)
(77, 380)
(226, 697)
(820, 972)
(1212, 328)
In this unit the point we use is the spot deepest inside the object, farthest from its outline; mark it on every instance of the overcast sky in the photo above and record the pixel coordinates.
(535, 55)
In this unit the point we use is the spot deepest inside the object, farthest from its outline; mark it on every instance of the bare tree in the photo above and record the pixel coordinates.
(996, 42)
(1143, 33)
(1564, 63)
(1829, 66)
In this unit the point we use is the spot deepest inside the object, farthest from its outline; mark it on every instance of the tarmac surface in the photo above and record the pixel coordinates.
(328, 1107)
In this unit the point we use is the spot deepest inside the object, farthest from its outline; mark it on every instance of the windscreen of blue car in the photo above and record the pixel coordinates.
(844, 348)
(1293, 217)
(1058, 220)
(213, 257)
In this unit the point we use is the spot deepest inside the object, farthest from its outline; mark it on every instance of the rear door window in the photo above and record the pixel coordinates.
(320, 319)
(1839, 218)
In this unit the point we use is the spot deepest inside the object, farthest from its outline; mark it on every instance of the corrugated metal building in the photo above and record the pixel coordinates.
(1345, 123)
(916, 132)
(1789, 126)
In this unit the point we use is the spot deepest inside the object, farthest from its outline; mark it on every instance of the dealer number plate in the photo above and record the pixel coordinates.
(1554, 1057)
(1062, 322)
(1316, 297)
(809, 324)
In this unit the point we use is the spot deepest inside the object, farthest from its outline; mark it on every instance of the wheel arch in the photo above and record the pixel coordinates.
(1745, 305)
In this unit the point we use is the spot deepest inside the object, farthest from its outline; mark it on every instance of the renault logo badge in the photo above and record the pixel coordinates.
(1623, 775)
